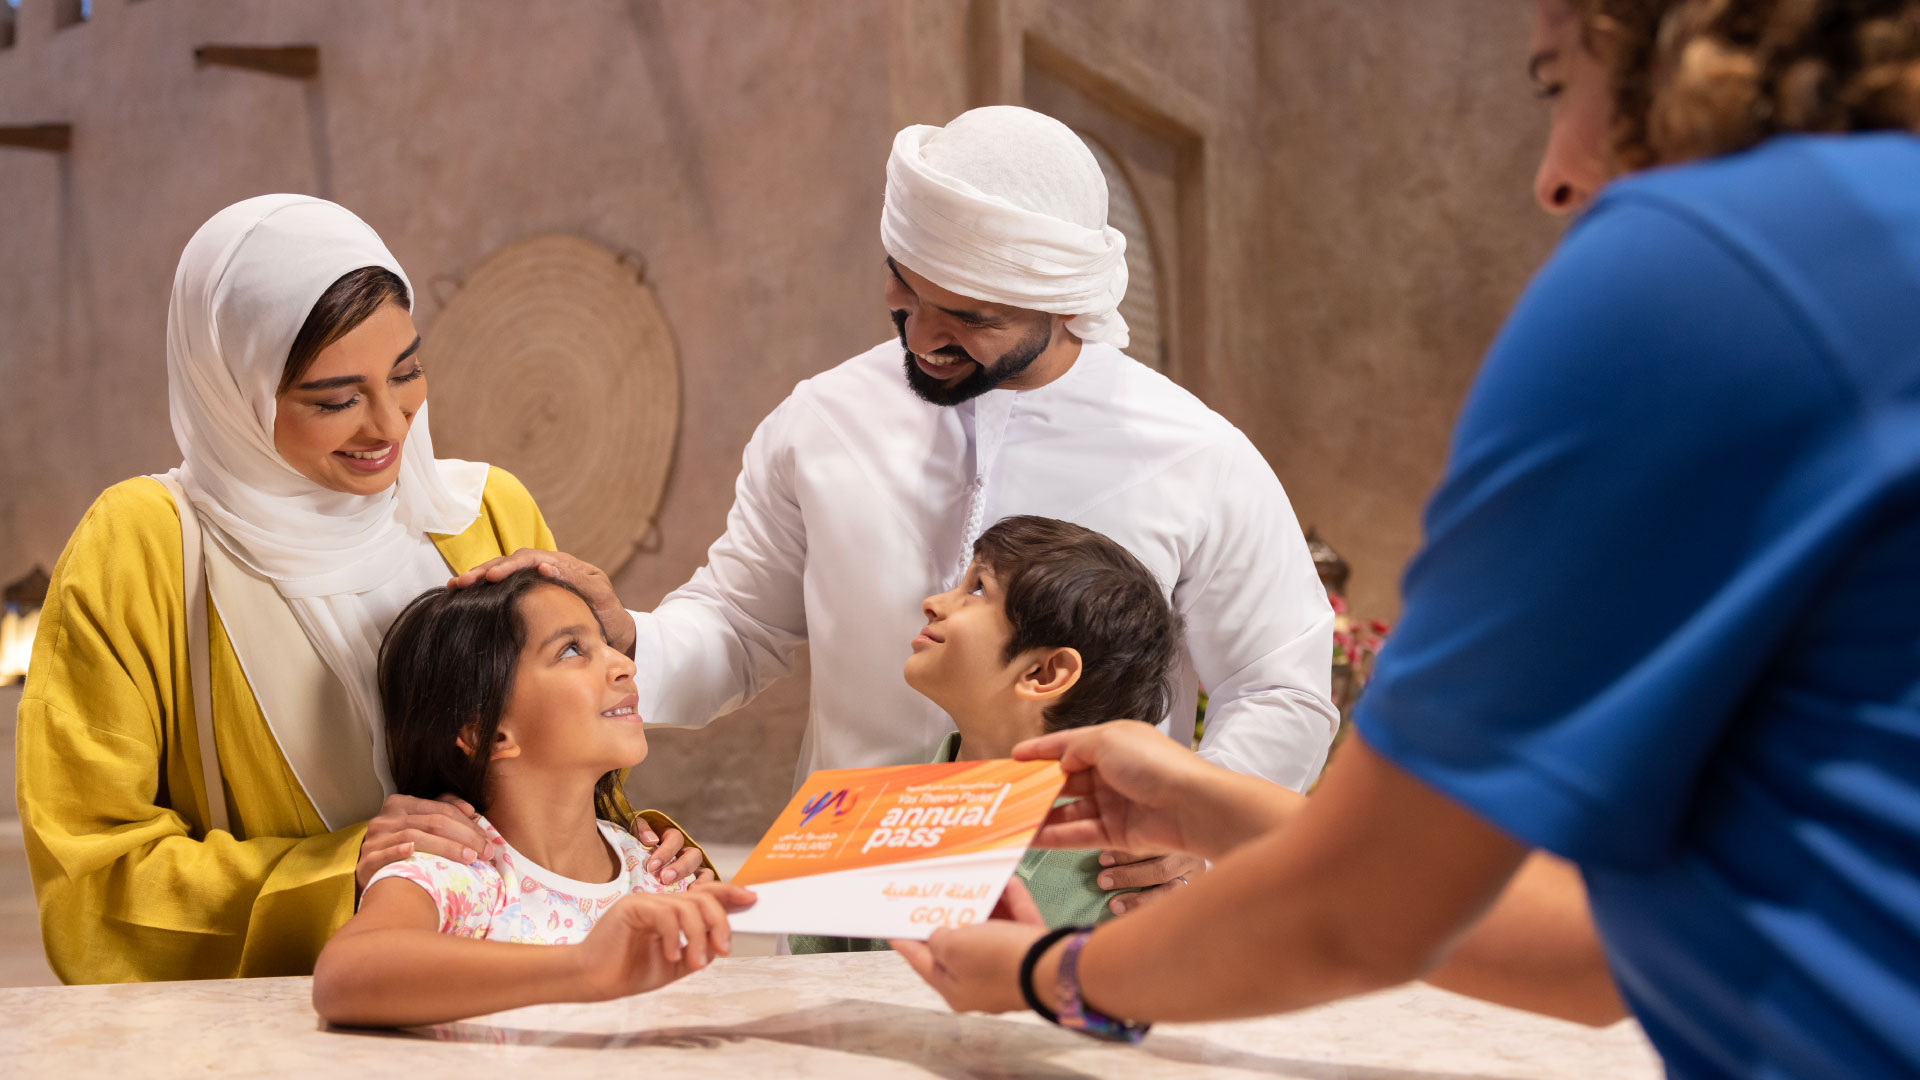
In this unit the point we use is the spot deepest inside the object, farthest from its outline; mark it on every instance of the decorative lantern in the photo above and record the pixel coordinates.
(1333, 569)
(20, 605)
(1356, 642)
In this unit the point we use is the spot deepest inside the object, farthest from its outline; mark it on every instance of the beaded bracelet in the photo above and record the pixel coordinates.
(1074, 1013)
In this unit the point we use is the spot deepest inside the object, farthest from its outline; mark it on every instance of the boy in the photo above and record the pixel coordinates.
(1053, 627)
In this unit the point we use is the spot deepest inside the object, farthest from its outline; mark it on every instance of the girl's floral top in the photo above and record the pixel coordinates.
(512, 898)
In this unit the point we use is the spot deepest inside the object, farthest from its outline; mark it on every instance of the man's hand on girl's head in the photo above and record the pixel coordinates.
(589, 580)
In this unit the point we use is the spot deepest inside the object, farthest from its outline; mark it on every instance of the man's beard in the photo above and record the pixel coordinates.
(985, 376)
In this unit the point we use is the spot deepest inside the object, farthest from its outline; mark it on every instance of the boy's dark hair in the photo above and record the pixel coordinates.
(1068, 586)
(446, 667)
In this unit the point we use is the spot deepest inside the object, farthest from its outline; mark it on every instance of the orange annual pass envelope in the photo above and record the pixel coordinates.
(895, 852)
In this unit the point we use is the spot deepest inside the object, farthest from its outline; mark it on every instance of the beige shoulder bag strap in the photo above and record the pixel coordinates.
(194, 580)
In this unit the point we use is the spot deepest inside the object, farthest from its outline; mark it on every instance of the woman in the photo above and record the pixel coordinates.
(1665, 620)
(309, 488)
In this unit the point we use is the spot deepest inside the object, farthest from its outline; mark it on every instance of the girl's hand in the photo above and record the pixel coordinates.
(638, 944)
(443, 827)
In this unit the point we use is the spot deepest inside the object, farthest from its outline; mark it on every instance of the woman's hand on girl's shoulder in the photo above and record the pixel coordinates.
(445, 827)
(670, 857)
(648, 940)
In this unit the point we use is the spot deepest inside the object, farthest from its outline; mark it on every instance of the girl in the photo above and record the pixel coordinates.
(508, 695)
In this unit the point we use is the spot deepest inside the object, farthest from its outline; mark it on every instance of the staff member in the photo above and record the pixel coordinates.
(1667, 615)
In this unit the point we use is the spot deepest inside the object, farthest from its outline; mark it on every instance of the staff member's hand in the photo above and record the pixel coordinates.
(445, 827)
(1139, 791)
(589, 580)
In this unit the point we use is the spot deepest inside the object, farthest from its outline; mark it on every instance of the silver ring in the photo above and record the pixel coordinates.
(1183, 880)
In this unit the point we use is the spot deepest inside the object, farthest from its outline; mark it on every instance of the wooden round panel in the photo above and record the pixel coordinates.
(553, 362)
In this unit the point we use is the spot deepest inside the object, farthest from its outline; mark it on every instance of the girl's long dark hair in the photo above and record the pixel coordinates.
(446, 669)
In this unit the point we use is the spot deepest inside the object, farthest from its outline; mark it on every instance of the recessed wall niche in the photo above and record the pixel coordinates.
(1143, 304)
(1156, 197)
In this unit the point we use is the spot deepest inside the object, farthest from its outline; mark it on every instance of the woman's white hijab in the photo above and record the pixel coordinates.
(245, 286)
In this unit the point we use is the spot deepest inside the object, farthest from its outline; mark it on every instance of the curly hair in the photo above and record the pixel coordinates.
(1698, 78)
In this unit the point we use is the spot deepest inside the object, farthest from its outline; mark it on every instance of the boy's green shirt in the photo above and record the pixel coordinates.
(1063, 884)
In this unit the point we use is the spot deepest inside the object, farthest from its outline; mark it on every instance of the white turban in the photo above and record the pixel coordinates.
(1007, 205)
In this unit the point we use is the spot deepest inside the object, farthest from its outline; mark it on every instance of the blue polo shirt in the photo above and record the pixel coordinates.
(1666, 621)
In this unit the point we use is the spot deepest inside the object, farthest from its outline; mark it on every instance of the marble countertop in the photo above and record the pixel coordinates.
(844, 1016)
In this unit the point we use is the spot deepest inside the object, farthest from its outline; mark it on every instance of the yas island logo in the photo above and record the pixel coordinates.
(838, 801)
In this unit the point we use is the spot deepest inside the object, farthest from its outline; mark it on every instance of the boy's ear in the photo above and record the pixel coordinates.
(504, 745)
(1051, 673)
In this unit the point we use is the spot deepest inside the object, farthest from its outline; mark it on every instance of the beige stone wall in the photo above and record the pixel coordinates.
(1355, 219)
(1342, 186)
(1400, 142)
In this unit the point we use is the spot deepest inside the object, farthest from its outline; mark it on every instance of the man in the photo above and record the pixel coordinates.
(864, 491)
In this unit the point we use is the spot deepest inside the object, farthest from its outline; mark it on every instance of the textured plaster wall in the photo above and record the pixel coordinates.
(1366, 224)
(1399, 145)
(1368, 220)
(735, 146)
